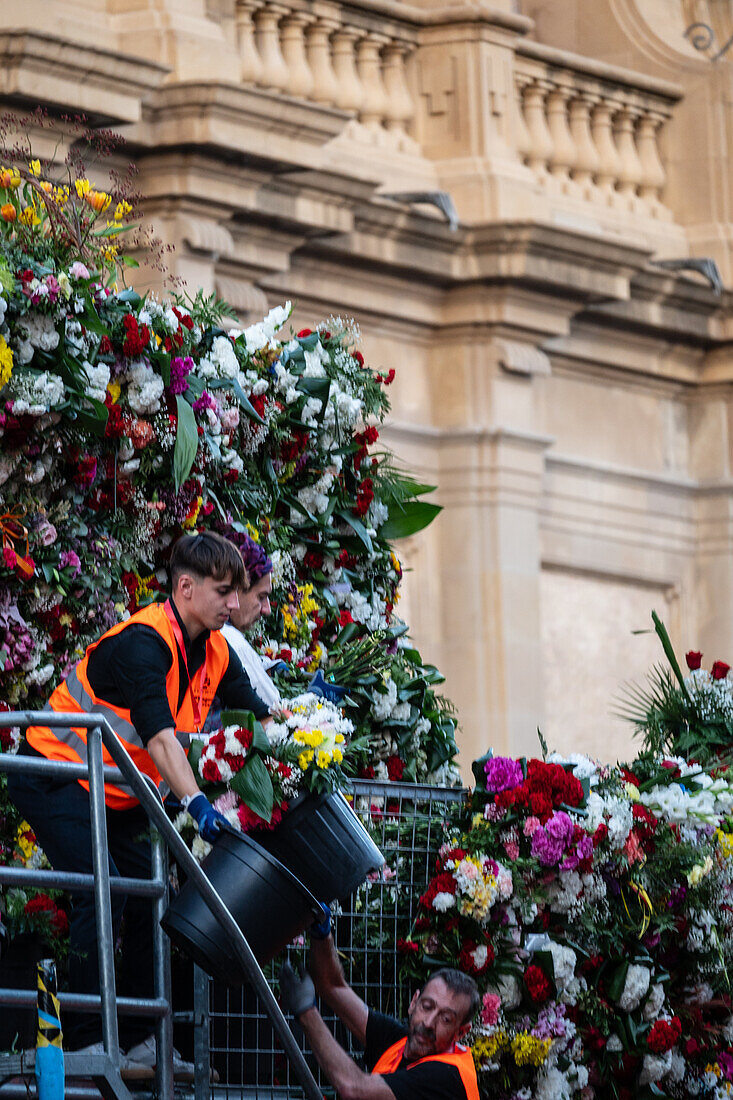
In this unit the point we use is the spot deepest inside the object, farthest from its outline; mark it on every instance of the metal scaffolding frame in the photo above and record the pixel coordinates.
(104, 1069)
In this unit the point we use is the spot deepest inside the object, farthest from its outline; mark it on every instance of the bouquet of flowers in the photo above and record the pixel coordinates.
(252, 774)
(685, 715)
(593, 907)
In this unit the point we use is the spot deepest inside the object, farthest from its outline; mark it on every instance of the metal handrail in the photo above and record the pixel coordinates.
(100, 733)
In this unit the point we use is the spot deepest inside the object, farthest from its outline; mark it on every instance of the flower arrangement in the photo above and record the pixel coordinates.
(252, 775)
(685, 715)
(593, 906)
(127, 420)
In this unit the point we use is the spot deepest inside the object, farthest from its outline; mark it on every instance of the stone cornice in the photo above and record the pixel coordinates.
(108, 86)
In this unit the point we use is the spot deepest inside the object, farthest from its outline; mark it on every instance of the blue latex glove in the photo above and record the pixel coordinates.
(206, 817)
(332, 692)
(321, 930)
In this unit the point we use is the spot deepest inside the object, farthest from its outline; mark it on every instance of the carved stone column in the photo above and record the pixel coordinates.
(251, 70)
(374, 107)
(350, 94)
(400, 107)
(274, 70)
(586, 155)
(318, 49)
(292, 40)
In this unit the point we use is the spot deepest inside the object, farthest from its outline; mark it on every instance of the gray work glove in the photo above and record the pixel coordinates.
(297, 992)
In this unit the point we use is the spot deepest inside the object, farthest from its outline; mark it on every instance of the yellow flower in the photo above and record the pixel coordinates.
(26, 846)
(725, 843)
(29, 216)
(6, 363)
(699, 872)
(252, 532)
(114, 389)
(304, 759)
(34, 167)
(528, 1051)
(9, 177)
(190, 520)
(338, 756)
(323, 759)
(632, 792)
(64, 284)
(82, 186)
(110, 252)
(339, 739)
(61, 195)
(98, 200)
(121, 210)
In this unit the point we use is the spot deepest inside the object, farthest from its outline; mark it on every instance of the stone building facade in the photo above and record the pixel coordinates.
(570, 397)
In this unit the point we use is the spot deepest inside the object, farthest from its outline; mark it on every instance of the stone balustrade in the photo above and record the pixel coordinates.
(590, 131)
(345, 57)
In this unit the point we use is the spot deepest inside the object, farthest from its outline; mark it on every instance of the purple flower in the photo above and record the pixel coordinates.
(180, 369)
(560, 827)
(550, 841)
(71, 559)
(205, 401)
(503, 774)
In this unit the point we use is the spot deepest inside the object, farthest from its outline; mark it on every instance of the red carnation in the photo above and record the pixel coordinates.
(305, 332)
(105, 345)
(359, 357)
(538, 984)
(211, 771)
(720, 670)
(664, 1035)
(395, 768)
(408, 947)
(693, 659)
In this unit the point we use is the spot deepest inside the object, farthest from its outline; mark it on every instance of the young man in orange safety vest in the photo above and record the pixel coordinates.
(423, 1060)
(153, 678)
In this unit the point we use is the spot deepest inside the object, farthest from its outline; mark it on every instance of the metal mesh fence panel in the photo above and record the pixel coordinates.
(408, 823)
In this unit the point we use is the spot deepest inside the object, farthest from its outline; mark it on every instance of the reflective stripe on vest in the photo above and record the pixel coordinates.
(75, 694)
(461, 1058)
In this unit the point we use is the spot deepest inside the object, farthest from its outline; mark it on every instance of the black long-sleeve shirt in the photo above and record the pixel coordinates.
(129, 670)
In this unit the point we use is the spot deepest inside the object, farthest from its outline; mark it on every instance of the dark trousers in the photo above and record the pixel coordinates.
(60, 817)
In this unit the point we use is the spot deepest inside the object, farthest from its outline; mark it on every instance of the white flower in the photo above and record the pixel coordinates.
(98, 379)
(443, 901)
(654, 1002)
(146, 388)
(224, 358)
(636, 987)
(563, 963)
(614, 1044)
(654, 1067)
(384, 703)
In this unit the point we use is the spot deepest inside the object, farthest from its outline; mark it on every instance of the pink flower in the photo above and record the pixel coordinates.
(78, 270)
(512, 849)
(9, 557)
(46, 533)
(490, 1009)
(503, 774)
(531, 826)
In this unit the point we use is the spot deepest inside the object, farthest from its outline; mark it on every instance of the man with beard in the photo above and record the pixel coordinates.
(421, 1061)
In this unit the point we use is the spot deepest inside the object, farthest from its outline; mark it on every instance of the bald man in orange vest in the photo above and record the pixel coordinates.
(422, 1060)
(153, 678)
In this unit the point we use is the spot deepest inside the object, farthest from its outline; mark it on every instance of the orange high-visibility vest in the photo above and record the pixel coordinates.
(460, 1057)
(75, 695)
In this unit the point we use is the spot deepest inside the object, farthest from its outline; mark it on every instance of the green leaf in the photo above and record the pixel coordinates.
(243, 718)
(259, 739)
(187, 442)
(129, 295)
(194, 755)
(129, 261)
(408, 518)
(356, 526)
(253, 785)
(232, 384)
(348, 632)
(616, 985)
(669, 651)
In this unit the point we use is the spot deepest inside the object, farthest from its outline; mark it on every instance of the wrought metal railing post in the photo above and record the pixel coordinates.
(201, 1052)
(102, 896)
(162, 964)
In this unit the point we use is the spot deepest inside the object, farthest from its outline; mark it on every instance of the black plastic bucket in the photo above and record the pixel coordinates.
(321, 839)
(267, 901)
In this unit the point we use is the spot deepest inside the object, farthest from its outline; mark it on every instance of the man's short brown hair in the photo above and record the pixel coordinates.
(207, 555)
